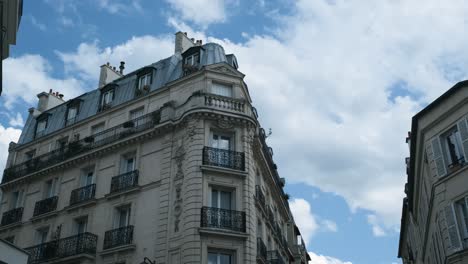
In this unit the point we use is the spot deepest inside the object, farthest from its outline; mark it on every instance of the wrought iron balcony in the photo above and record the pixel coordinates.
(12, 216)
(259, 196)
(45, 206)
(274, 257)
(224, 158)
(82, 194)
(84, 243)
(270, 215)
(118, 237)
(261, 250)
(86, 144)
(124, 181)
(222, 218)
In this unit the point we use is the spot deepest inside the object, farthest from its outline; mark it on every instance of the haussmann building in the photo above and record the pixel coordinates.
(166, 164)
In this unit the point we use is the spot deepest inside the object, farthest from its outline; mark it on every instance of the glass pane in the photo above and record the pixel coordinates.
(225, 200)
(89, 178)
(214, 198)
(225, 143)
(212, 258)
(225, 259)
(71, 113)
(130, 165)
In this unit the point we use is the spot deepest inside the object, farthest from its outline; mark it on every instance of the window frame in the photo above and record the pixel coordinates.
(218, 252)
(448, 153)
(118, 214)
(216, 87)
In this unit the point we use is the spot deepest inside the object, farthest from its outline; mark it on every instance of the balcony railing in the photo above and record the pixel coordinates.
(223, 102)
(274, 257)
(45, 206)
(261, 250)
(224, 158)
(222, 218)
(270, 215)
(124, 181)
(84, 243)
(118, 237)
(259, 196)
(12, 216)
(75, 148)
(82, 194)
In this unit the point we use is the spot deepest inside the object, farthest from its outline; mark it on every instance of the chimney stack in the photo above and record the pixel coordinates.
(49, 100)
(183, 42)
(122, 67)
(109, 73)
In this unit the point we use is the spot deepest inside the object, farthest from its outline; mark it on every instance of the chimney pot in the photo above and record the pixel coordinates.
(192, 39)
(107, 63)
(185, 33)
(50, 91)
(122, 67)
(61, 96)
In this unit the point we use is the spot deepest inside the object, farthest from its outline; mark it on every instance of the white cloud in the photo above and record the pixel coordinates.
(320, 259)
(202, 12)
(119, 7)
(7, 135)
(16, 121)
(136, 52)
(38, 24)
(28, 75)
(307, 222)
(377, 230)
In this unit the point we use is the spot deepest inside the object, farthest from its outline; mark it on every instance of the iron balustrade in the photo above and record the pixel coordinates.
(124, 181)
(45, 206)
(261, 250)
(82, 194)
(12, 216)
(86, 144)
(84, 243)
(212, 217)
(224, 158)
(274, 257)
(270, 215)
(118, 237)
(259, 196)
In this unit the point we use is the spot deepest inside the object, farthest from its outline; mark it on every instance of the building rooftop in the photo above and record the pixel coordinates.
(165, 71)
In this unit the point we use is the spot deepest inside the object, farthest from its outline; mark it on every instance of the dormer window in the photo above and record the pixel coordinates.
(72, 112)
(144, 82)
(192, 60)
(41, 125)
(107, 96)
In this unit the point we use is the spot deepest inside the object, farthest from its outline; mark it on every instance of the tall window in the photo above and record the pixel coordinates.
(72, 112)
(16, 199)
(80, 225)
(462, 212)
(41, 235)
(29, 155)
(144, 81)
(96, 130)
(106, 98)
(221, 141)
(193, 59)
(220, 258)
(61, 143)
(453, 147)
(41, 127)
(51, 188)
(87, 177)
(221, 89)
(136, 114)
(122, 216)
(128, 164)
(222, 199)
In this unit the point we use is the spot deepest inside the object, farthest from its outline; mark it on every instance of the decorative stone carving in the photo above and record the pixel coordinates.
(225, 123)
(177, 207)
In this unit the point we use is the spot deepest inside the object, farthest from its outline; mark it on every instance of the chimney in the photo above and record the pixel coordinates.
(182, 42)
(108, 74)
(49, 100)
(122, 67)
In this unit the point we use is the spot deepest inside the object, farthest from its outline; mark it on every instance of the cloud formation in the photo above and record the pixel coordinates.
(7, 135)
(320, 259)
(201, 12)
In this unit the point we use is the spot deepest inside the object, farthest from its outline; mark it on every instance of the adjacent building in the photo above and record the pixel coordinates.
(434, 224)
(167, 163)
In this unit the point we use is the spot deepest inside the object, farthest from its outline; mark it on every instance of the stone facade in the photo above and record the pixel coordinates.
(189, 180)
(434, 227)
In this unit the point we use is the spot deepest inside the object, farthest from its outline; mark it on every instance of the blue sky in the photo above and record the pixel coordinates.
(337, 81)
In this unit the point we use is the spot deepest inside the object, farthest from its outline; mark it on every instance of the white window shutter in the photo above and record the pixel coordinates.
(438, 157)
(463, 129)
(452, 227)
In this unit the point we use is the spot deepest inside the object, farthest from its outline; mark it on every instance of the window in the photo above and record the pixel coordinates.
(222, 199)
(80, 225)
(221, 89)
(136, 114)
(192, 60)
(51, 188)
(122, 217)
(72, 112)
(128, 164)
(87, 177)
(144, 81)
(41, 235)
(106, 99)
(221, 141)
(62, 143)
(16, 199)
(41, 127)
(96, 130)
(220, 258)
(453, 147)
(462, 212)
